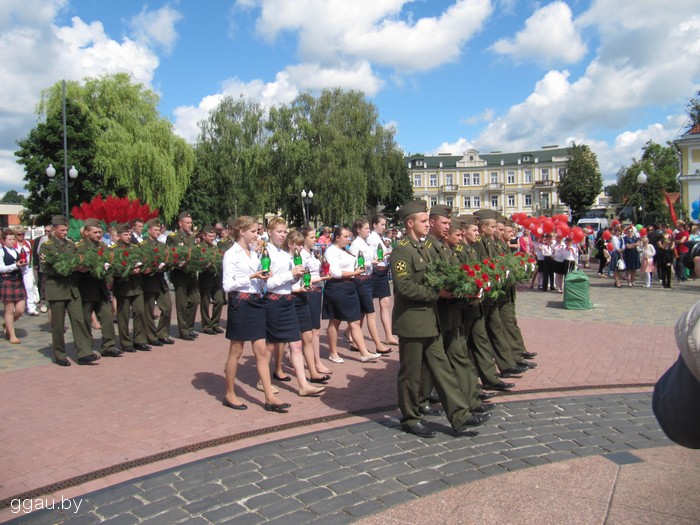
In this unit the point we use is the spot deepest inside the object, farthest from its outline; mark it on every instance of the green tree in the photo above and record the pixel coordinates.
(581, 181)
(12, 197)
(117, 141)
(693, 110)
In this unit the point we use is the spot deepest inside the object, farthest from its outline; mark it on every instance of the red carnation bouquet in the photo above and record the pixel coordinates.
(464, 281)
(155, 257)
(98, 260)
(125, 260)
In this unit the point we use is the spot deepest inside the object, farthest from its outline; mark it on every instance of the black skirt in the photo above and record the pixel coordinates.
(315, 297)
(301, 307)
(380, 283)
(341, 301)
(281, 319)
(364, 292)
(246, 317)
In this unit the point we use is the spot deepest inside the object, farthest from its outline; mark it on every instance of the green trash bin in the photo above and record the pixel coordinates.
(576, 291)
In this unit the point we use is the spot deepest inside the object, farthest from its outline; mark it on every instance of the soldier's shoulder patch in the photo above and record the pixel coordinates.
(400, 266)
(403, 242)
(48, 241)
(428, 244)
(80, 243)
(459, 248)
(172, 234)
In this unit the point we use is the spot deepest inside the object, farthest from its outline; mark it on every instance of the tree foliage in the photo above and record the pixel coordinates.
(258, 162)
(117, 141)
(693, 110)
(581, 181)
(12, 197)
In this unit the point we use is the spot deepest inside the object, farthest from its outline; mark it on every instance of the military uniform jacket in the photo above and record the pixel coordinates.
(180, 238)
(130, 286)
(91, 288)
(209, 278)
(448, 314)
(58, 287)
(225, 244)
(510, 288)
(155, 281)
(415, 304)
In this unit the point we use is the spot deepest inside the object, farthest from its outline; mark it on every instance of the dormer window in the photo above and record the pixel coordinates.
(527, 158)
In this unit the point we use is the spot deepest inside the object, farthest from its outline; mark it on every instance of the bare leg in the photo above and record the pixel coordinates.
(279, 360)
(307, 348)
(372, 327)
(10, 322)
(356, 331)
(385, 316)
(333, 327)
(235, 350)
(263, 355)
(297, 358)
(316, 340)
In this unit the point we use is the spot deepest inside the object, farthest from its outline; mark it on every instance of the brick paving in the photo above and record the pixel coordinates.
(59, 423)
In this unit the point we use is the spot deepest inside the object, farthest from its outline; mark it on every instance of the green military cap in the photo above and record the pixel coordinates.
(208, 229)
(484, 215)
(230, 222)
(469, 220)
(59, 220)
(93, 223)
(501, 219)
(511, 223)
(123, 227)
(150, 223)
(411, 207)
(441, 211)
(184, 215)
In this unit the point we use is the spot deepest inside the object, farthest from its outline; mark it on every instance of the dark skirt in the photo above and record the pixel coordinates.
(12, 289)
(561, 267)
(246, 318)
(315, 297)
(380, 283)
(364, 292)
(341, 301)
(281, 319)
(301, 306)
(631, 256)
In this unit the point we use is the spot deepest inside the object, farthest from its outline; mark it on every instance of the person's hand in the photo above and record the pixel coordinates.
(21, 264)
(261, 275)
(298, 271)
(446, 294)
(136, 271)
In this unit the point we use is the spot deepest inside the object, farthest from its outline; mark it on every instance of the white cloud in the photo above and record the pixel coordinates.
(485, 116)
(156, 28)
(550, 35)
(332, 31)
(453, 148)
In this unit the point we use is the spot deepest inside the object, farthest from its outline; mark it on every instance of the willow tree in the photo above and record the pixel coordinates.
(134, 151)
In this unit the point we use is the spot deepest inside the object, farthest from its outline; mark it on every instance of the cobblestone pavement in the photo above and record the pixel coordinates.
(340, 475)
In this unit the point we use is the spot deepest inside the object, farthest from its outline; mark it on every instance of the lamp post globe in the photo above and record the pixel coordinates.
(642, 178)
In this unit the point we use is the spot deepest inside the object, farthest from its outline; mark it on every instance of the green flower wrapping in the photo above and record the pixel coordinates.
(155, 257)
(125, 260)
(214, 258)
(520, 266)
(64, 263)
(461, 280)
(180, 257)
(98, 261)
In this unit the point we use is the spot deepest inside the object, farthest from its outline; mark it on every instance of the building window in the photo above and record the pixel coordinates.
(511, 201)
(494, 177)
(527, 176)
(494, 201)
(448, 179)
(433, 201)
(476, 179)
(528, 199)
(433, 180)
(477, 202)
(544, 200)
(467, 202)
(466, 179)
(417, 180)
(449, 201)
(511, 177)
(562, 171)
(545, 173)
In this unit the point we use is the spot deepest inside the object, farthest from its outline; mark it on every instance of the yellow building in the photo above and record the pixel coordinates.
(507, 182)
(689, 147)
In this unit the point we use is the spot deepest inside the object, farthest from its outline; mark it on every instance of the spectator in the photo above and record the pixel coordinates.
(27, 271)
(11, 283)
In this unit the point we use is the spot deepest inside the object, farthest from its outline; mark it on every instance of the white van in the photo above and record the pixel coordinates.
(597, 223)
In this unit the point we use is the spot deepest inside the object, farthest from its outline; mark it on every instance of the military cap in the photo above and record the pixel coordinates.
(230, 222)
(441, 211)
(501, 219)
(411, 207)
(59, 220)
(122, 227)
(93, 223)
(511, 223)
(208, 229)
(150, 223)
(484, 215)
(184, 215)
(469, 220)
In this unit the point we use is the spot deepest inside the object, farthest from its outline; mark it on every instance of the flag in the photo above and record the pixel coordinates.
(670, 199)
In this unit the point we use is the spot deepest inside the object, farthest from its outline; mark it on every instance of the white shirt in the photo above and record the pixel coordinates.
(237, 267)
(312, 264)
(281, 264)
(339, 261)
(368, 252)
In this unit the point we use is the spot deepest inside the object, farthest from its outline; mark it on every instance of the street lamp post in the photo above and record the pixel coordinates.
(306, 200)
(72, 172)
(642, 180)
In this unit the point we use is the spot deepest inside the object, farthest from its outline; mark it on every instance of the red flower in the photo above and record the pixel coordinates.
(503, 268)
(479, 283)
(126, 254)
(531, 260)
(486, 261)
(492, 266)
(485, 276)
(477, 267)
(123, 263)
(466, 267)
(155, 263)
(471, 273)
(487, 289)
(155, 250)
(204, 250)
(100, 252)
(501, 254)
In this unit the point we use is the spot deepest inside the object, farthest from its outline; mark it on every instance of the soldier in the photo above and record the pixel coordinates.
(129, 295)
(185, 284)
(156, 291)
(94, 292)
(226, 240)
(210, 290)
(63, 296)
(474, 328)
(415, 321)
(486, 249)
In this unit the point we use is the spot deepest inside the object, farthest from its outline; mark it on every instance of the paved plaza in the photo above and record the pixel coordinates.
(144, 438)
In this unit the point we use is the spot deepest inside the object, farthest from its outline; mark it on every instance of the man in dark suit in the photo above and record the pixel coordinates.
(156, 291)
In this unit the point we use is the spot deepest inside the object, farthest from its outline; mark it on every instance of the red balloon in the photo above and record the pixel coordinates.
(547, 226)
(614, 223)
(577, 234)
(563, 229)
(669, 231)
(606, 235)
(643, 232)
(609, 246)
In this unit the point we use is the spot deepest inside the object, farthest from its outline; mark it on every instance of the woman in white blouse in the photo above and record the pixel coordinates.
(12, 292)
(243, 280)
(381, 289)
(341, 301)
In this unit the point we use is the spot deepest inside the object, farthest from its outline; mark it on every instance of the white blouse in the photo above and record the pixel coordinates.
(360, 245)
(312, 264)
(281, 264)
(339, 261)
(237, 267)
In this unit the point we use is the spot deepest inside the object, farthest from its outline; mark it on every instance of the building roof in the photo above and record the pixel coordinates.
(472, 158)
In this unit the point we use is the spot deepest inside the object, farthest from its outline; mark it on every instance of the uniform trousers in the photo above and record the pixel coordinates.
(186, 300)
(501, 346)
(103, 312)
(512, 330)
(215, 296)
(480, 350)
(81, 337)
(165, 305)
(125, 305)
(412, 353)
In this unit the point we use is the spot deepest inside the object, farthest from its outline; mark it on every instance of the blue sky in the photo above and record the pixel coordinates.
(448, 75)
